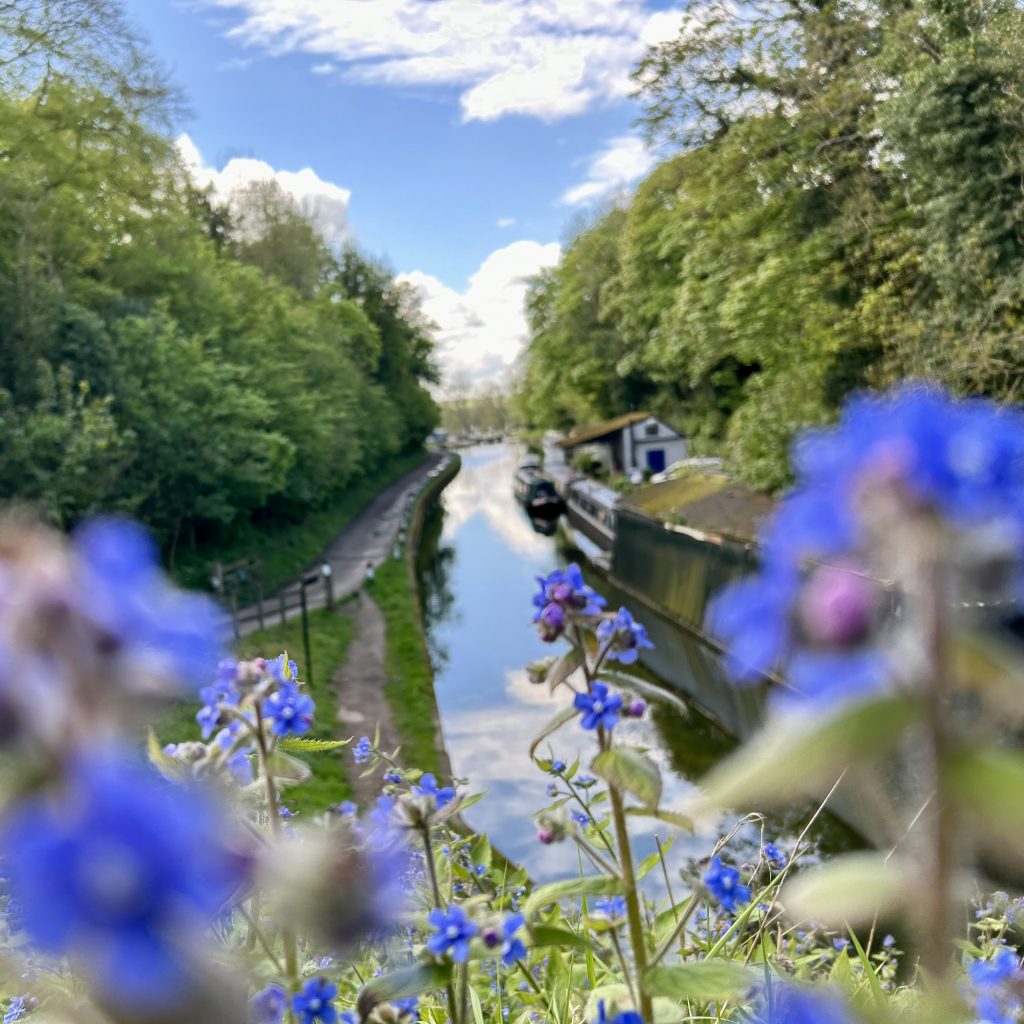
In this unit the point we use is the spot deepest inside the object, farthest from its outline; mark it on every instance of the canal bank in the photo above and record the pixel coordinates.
(409, 678)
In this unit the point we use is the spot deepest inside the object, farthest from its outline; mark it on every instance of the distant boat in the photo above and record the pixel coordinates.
(536, 493)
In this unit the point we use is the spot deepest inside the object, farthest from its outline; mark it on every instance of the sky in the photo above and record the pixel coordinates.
(457, 140)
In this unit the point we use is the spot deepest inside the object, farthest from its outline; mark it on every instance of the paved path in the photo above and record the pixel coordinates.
(359, 685)
(369, 537)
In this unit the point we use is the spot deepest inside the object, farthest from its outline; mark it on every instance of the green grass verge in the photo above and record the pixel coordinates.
(287, 549)
(330, 634)
(410, 687)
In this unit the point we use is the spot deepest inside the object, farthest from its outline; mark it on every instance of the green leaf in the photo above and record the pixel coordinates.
(307, 745)
(481, 851)
(563, 668)
(802, 754)
(645, 689)
(548, 935)
(849, 889)
(165, 765)
(556, 723)
(672, 817)
(287, 770)
(702, 980)
(597, 885)
(650, 862)
(988, 784)
(409, 981)
(629, 769)
(478, 1010)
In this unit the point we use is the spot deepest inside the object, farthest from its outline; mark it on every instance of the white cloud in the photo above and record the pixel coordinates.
(623, 159)
(482, 329)
(323, 69)
(542, 58)
(506, 222)
(325, 203)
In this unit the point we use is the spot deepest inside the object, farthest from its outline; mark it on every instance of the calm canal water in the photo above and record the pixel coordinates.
(478, 564)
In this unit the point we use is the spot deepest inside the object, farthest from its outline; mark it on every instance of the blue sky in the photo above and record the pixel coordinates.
(454, 138)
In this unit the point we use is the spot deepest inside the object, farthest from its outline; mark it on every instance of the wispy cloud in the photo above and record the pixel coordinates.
(618, 164)
(542, 58)
(506, 222)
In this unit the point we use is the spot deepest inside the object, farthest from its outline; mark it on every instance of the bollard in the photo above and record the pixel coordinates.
(328, 576)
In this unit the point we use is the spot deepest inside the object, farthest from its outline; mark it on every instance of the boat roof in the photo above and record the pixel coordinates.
(710, 502)
(599, 492)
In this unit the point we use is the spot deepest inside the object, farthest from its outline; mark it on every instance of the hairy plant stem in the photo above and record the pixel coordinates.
(636, 925)
(428, 852)
(937, 918)
(626, 872)
(291, 957)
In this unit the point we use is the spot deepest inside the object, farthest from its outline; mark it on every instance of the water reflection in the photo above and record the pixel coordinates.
(478, 576)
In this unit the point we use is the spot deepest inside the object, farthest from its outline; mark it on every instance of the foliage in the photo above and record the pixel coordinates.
(843, 211)
(200, 367)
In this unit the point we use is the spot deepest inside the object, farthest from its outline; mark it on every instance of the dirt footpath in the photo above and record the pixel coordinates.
(359, 685)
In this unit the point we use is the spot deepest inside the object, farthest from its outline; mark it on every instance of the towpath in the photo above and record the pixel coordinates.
(359, 685)
(369, 537)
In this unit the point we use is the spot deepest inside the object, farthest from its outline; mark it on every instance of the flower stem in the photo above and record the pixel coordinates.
(291, 958)
(636, 926)
(937, 920)
(428, 852)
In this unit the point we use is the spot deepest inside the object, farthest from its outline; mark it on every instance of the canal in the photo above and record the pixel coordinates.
(477, 570)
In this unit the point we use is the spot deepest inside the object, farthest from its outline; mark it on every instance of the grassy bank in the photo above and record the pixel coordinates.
(410, 688)
(286, 549)
(330, 633)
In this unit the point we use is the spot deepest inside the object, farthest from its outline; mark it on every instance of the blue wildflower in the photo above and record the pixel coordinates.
(989, 973)
(569, 590)
(123, 591)
(562, 594)
(362, 751)
(627, 1017)
(557, 767)
(785, 1004)
(347, 809)
(406, 1007)
(723, 883)
(916, 449)
(623, 637)
(282, 669)
(289, 711)
(512, 948)
(584, 781)
(118, 872)
(581, 819)
(452, 931)
(598, 707)
(551, 789)
(392, 777)
(239, 763)
(268, 1005)
(312, 1002)
(773, 855)
(428, 787)
(16, 1009)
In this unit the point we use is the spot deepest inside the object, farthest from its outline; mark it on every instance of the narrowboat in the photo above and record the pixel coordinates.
(536, 493)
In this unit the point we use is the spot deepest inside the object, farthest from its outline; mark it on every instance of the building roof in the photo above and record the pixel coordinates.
(596, 430)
